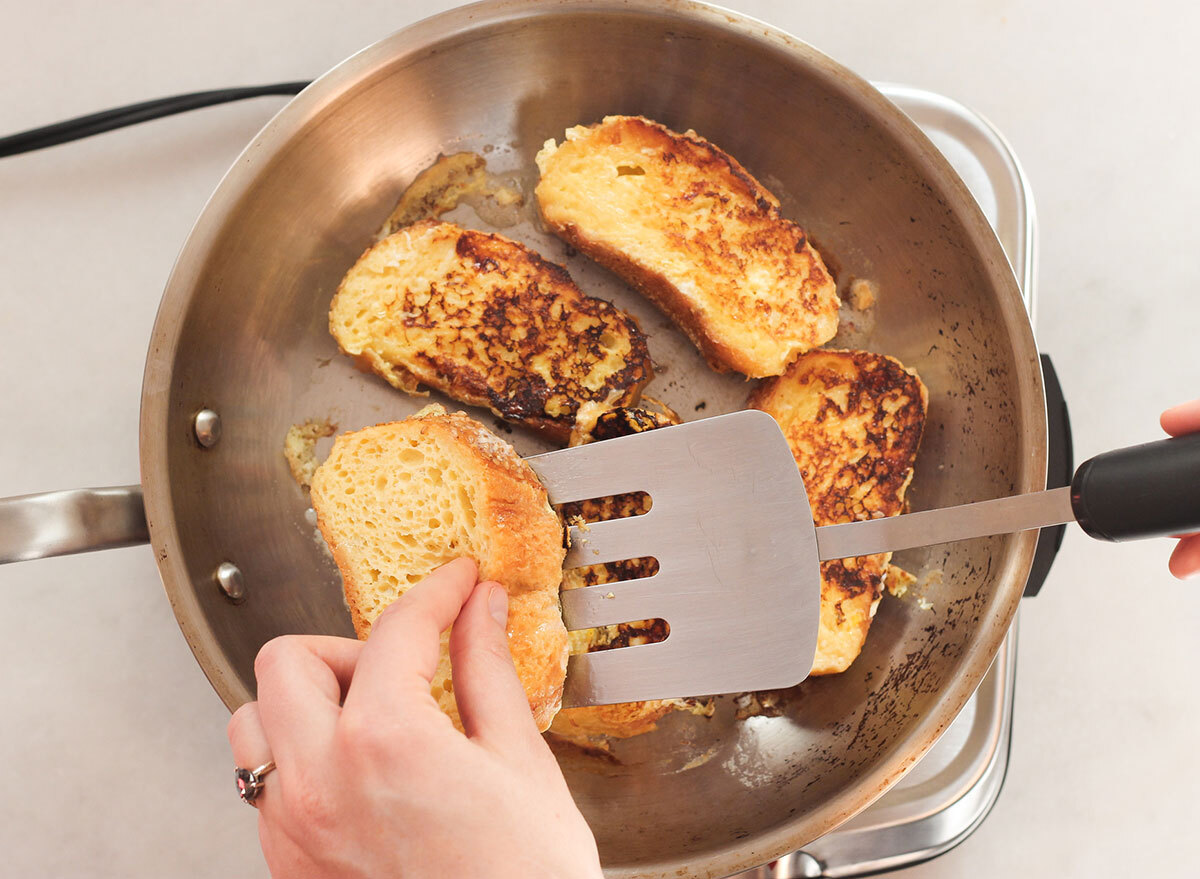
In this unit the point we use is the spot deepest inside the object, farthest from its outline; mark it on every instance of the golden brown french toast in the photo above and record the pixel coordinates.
(684, 223)
(589, 725)
(395, 501)
(854, 422)
(488, 322)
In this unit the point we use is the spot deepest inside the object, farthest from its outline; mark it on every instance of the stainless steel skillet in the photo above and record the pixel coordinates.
(241, 333)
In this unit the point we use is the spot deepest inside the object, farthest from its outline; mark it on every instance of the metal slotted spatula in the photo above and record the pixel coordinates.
(739, 580)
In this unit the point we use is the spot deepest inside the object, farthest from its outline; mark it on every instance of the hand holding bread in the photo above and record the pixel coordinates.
(372, 779)
(397, 500)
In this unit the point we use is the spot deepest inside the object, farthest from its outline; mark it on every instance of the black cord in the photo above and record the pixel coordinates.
(95, 123)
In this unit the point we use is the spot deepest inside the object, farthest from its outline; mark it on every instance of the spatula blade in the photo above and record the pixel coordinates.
(738, 581)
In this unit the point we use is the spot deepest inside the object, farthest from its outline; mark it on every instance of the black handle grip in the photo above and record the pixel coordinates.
(1143, 491)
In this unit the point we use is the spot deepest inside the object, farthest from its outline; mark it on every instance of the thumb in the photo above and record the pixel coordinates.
(492, 703)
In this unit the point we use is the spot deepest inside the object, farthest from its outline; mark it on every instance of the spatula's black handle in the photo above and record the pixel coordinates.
(1142, 491)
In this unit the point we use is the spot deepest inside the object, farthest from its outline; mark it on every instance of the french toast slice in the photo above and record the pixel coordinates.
(488, 322)
(590, 725)
(854, 421)
(685, 224)
(395, 501)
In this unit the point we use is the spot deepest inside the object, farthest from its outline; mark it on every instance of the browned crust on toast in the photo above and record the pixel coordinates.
(488, 322)
(721, 222)
(854, 421)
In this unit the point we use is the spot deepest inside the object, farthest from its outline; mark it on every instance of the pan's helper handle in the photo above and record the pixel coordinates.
(1149, 490)
(36, 526)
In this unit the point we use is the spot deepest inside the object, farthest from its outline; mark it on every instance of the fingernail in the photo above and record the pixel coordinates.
(498, 605)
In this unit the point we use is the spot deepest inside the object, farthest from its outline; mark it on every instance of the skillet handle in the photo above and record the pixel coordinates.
(1149, 490)
(36, 526)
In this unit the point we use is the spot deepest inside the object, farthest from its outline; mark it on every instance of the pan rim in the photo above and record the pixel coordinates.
(324, 92)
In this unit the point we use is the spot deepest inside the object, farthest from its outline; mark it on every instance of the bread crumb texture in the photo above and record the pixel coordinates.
(863, 294)
(300, 448)
(684, 223)
(439, 188)
(593, 725)
(397, 500)
(898, 581)
(854, 421)
(488, 322)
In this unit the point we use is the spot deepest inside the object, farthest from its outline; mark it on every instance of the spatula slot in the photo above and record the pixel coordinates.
(601, 509)
(611, 572)
(619, 635)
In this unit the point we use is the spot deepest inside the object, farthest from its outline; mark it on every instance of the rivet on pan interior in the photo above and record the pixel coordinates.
(207, 425)
(229, 578)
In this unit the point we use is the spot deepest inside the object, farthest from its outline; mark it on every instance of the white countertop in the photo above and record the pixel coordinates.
(114, 761)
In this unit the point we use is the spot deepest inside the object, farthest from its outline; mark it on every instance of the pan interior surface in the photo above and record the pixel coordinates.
(243, 331)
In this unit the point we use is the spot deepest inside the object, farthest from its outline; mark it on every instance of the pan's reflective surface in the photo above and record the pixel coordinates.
(242, 331)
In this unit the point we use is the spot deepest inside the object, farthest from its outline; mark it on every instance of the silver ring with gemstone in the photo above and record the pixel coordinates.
(250, 781)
